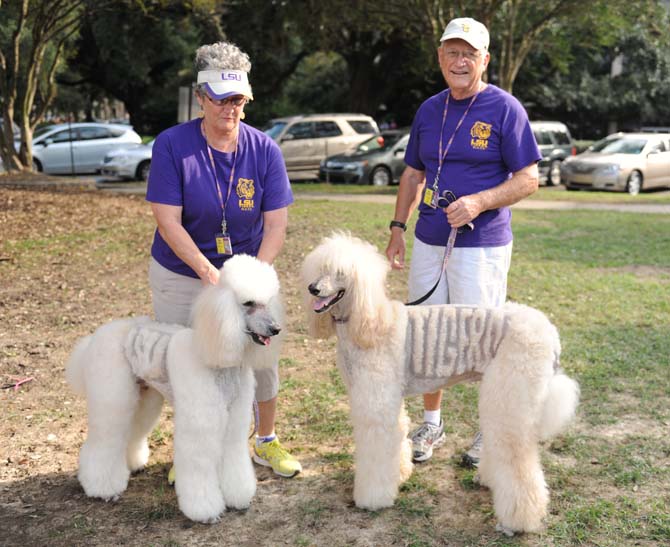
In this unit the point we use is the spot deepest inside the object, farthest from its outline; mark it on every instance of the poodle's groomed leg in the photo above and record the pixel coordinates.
(112, 398)
(198, 432)
(510, 461)
(146, 415)
(380, 435)
(236, 472)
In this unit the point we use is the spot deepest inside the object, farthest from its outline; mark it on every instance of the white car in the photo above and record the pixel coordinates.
(128, 163)
(78, 147)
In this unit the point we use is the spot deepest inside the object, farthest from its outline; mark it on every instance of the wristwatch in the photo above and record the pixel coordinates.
(398, 224)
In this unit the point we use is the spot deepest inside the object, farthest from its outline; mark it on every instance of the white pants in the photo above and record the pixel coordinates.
(173, 296)
(475, 275)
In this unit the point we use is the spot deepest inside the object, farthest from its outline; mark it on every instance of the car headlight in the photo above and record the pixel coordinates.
(610, 169)
(354, 165)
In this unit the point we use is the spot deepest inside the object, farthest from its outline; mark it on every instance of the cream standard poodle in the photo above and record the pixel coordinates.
(126, 368)
(387, 351)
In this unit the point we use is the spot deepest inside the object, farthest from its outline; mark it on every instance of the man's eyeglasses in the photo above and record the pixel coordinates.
(237, 100)
(455, 54)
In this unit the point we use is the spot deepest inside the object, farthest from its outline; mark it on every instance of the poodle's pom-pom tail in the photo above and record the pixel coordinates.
(559, 406)
(74, 369)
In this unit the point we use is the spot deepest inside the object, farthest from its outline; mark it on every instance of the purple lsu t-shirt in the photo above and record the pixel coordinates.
(181, 174)
(494, 141)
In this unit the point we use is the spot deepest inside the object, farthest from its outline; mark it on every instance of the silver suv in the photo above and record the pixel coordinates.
(555, 143)
(307, 139)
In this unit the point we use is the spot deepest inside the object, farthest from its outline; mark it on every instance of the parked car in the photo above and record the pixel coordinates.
(307, 139)
(128, 163)
(15, 129)
(78, 147)
(622, 161)
(555, 143)
(378, 160)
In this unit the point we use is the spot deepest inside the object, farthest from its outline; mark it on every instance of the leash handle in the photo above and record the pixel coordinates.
(447, 253)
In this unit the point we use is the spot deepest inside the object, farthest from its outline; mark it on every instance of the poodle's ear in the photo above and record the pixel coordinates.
(218, 327)
(371, 315)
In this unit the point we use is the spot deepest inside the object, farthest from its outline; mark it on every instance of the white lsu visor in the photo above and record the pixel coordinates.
(219, 84)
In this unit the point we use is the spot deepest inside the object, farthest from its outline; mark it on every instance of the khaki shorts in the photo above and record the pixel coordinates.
(173, 295)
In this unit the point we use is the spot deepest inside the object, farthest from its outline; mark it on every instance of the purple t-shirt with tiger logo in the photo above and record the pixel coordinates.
(181, 175)
(494, 141)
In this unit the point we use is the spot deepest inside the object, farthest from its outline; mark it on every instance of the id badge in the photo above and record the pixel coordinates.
(429, 198)
(223, 244)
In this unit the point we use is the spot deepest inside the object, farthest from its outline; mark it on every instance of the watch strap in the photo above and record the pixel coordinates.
(398, 224)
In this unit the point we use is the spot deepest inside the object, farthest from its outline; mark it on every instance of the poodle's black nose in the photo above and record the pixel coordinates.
(313, 290)
(274, 331)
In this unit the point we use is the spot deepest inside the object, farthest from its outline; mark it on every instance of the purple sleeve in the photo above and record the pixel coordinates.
(412, 157)
(519, 148)
(277, 189)
(165, 177)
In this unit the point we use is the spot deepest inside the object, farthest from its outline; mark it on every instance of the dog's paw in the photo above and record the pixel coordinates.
(374, 503)
(138, 458)
(211, 520)
(505, 530)
(112, 499)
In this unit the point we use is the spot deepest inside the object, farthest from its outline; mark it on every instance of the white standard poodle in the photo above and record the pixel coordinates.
(126, 368)
(387, 351)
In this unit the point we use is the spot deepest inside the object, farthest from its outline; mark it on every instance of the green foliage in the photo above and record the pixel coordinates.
(141, 54)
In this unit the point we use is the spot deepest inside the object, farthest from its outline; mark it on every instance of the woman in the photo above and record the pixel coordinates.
(218, 187)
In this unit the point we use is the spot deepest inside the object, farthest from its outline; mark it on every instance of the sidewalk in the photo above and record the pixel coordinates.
(524, 204)
(133, 187)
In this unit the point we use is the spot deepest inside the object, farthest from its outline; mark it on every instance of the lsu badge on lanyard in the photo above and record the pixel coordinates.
(223, 244)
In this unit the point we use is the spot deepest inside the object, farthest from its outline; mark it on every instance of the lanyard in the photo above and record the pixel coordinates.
(224, 224)
(442, 155)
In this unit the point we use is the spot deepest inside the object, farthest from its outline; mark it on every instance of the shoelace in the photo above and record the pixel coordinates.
(425, 431)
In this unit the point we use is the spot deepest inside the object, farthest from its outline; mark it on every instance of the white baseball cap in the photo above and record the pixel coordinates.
(466, 28)
(220, 84)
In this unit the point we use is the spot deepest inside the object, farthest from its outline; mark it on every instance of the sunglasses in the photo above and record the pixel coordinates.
(236, 101)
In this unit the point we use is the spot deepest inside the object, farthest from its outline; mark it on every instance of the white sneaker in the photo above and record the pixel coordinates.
(425, 438)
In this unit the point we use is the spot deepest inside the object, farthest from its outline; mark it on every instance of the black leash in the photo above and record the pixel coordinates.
(443, 270)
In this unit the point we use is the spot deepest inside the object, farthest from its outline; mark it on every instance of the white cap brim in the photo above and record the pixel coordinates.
(219, 84)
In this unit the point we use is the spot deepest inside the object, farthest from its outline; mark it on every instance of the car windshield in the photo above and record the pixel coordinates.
(275, 128)
(378, 142)
(620, 145)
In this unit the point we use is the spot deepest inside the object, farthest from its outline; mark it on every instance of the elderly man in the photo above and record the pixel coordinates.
(471, 154)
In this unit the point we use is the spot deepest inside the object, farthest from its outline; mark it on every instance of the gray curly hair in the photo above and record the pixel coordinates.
(221, 56)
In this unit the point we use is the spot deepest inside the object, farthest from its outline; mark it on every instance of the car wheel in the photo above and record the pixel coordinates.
(380, 176)
(571, 188)
(554, 175)
(634, 183)
(142, 173)
(37, 166)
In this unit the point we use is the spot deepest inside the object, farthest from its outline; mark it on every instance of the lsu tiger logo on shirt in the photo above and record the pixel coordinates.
(480, 133)
(245, 193)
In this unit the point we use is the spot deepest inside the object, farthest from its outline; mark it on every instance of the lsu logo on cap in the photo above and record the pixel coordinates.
(245, 191)
(480, 133)
(466, 27)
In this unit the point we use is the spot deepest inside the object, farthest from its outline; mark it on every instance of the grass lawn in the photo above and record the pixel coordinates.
(604, 279)
(71, 261)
